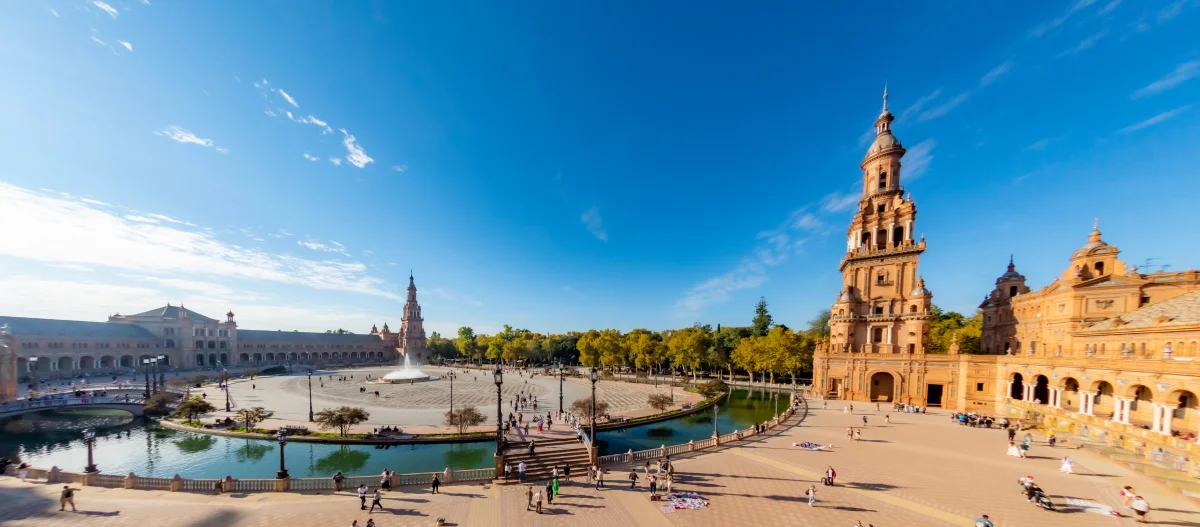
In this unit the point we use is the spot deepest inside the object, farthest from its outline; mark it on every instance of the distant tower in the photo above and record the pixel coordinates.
(999, 323)
(883, 306)
(412, 332)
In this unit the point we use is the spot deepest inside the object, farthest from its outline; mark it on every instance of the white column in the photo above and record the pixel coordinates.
(1157, 425)
(1088, 403)
(1168, 413)
(1008, 392)
(1118, 408)
(908, 231)
(889, 334)
(890, 235)
(1057, 396)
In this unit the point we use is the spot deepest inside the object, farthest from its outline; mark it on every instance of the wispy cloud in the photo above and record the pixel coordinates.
(66, 231)
(106, 8)
(1157, 119)
(1086, 44)
(181, 135)
(325, 129)
(594, 224)
(287, 98)
(716, 290)
(311, 157)
(837, 201)
(1110, 6)
(127, 45)
(1054, 23)
(944, 108)
(1038, 146)
(806, 221)
(400, 168)
(355, 154)
(917, 159)
(332, 247)
(1170, 11)
(1182, 73)
(995, 73)
(916, 107)
(53, 12)
(337, 161)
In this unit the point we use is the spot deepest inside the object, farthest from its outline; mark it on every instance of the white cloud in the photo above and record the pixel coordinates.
(917, 159)
(866, 138)
(141, 219)
(594, 224)
(93, 202)
(807, 221)
(66, 231)
(400, 168)
(355, 155)
(333, 247)
(313, 120)
(270, 113)
(169, 219)
(311, 157)
(1170, 11)
(945, 107)
(716, 290)
(107, 8)
(288, 98)
(127, 45)
(53, 12)
(916, 107)
(337, 161)
(1111, 5)
(1038, 146)
(837, 202)
(72, 267)
(98, 41)
(182, 135)
(1049, 25)
(1182, 73)
(1086, 44)
(995, 73)
(1165, 116)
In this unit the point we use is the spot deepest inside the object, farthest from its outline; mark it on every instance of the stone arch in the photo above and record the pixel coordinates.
(212, 344)
(1134, 389)
(244, 358)
(897, 236)
(881, 238)
(258, 357)
(64, 363)
(126, 361)
(1018, 385)
(325, 355)
(1070, 393)
(108, 361)
(199, 344)
(882, 386)
(1141, 403)
(270, 357)
(1187, 406)
(224, 358)
(1104, 402)
(1041, 389)
(199, 360)
(212, 359)
(87, 363)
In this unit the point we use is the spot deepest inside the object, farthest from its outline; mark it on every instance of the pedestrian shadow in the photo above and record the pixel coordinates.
(852, 509)
(405, 512)
(98, 513)
(872, 441)
(464, 495)
(871, 486)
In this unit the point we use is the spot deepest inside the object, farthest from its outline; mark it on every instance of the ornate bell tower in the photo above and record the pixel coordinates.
(883, 306)
(412, 333)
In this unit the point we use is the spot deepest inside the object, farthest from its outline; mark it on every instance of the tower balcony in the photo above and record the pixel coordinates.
(882, 191)
(908, 247)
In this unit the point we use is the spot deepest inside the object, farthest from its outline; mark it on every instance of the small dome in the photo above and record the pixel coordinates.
(920, 290)
(883, 142)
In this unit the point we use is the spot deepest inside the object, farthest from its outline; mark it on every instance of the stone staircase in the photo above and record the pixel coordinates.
(548, 453)
(1169, 476)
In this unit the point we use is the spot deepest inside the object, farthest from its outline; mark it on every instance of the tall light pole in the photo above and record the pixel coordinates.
(716, 413)
(561, 374)
(162, 372)
(451, 377)
(89, 437)
(225, 376)
(33, 372)
(498, 377)
(310, 412)
(154, 376)
(593, 376)
(283, 473)
(146, 362)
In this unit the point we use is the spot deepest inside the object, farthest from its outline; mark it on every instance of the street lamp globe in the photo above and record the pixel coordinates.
(594, 375)
(498, 375)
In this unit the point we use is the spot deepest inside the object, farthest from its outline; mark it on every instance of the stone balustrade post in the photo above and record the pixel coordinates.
(395, 479)
(177, 483)
(86, 479)
(716, 440)
(130, 481)
(629, 456)
(447, 475)
(227, 484)
(52, 475)
(282, 484)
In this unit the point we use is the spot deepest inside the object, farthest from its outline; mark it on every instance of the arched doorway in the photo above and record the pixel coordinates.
(164, 361)
(258, 357)
(883, 386)
(1186, 414)
(1070, 395)
(1041, 390)
(1018, 387)
(224, 359)
(126, 361)
(64, 363)
(199, 360)
(1141, 406)
(212, 359)
(270, 357)
(243, 358)
(86, 363)
(1103, 404)
(108, 361)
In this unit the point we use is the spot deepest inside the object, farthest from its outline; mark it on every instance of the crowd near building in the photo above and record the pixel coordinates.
(1105, 350)
(179, 338)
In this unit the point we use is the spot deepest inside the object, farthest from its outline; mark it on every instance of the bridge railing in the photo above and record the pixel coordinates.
(7, 408)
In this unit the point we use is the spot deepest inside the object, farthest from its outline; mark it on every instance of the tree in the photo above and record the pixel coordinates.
(464, 418)
(318, 365)
(688, 348)
(747, 353)
(466, 341)
(659, 401)
(193, 407)
(725, 340)
(338, 331)
(250, 372)
(819, 325)
(588, 353)
(583, 408)
(253, 416)
(712, 388)
(159, 404)
(762, 319)
(197, 379)
(943, 327)
(341, 418)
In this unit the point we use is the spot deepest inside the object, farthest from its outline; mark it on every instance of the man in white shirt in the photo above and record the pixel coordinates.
(362, 497)
(521, 472)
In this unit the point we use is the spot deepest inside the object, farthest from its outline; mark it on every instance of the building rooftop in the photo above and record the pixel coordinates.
(1179, 311)
(257, 335)
(45, 327)
(175, 312)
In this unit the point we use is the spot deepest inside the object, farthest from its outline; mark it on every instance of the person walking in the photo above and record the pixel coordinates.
(555, 487)
(858, 435)
(529, 497)
(375, 501)
(1127, 495)
(338, 479)
(849, 432)
(1012, 434)
(653, 485)
(385, 480)
(521, 472)
(670, 479)
(830, 475)
(537, 500)
(567, 472)
(887, 418)
(647, 468)
(864, 420)
(68, 497)
(811, 494)
(1139, 506)
(370, 522)
(362, 497)
(1067, 465)
(23, 471)
(599, 478)
(632, 479)
(983, 521)
(437, 482)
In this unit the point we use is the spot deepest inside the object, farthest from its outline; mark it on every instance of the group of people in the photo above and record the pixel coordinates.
(387, 430)
(975, 420)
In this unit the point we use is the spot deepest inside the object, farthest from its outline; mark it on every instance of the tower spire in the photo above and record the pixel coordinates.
(885, 96)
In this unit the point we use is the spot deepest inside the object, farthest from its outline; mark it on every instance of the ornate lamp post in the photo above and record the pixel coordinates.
(33, 372)
(593, 376)
(89, 437)
(716, 412)
(162, 372)
(154, 375)
(310, 412)
(146, 363)
(498, 376)
(225, 376)
(283, 473)
(561, 374)
(451, 377)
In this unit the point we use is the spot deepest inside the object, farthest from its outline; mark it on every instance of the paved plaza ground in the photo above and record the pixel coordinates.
(920, 470)
(421, 407)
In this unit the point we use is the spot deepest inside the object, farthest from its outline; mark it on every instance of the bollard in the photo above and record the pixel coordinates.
(130, 481)
(177, 483)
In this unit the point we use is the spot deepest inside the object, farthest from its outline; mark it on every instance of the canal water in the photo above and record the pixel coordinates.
(49, 439)
(739, 411)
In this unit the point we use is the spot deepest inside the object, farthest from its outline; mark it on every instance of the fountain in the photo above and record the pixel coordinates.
(406, 374)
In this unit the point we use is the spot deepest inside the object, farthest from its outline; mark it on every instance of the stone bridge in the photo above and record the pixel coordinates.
(131, 404)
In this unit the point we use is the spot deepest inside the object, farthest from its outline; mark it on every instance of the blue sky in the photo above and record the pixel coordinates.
(564, 167)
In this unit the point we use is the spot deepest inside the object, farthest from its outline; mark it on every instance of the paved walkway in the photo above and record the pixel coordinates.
(919, 470)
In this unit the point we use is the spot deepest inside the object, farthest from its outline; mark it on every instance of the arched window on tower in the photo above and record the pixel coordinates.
(883, 179)
(1099, 268)
(1012, 291)
(897, 236)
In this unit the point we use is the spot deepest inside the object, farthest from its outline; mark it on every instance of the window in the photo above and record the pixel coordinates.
(170, 343)
(1012, 291)
(883, 180)
(878, 310)
(878, 336)
(979, 386)
(1145, 301)
(1099, 268)
(881, 208)
(199, 344)
(222, 345)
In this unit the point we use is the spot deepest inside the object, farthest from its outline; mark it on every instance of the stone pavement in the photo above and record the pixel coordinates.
(920, 470)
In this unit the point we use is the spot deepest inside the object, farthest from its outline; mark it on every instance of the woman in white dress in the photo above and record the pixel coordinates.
(1013, 450)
